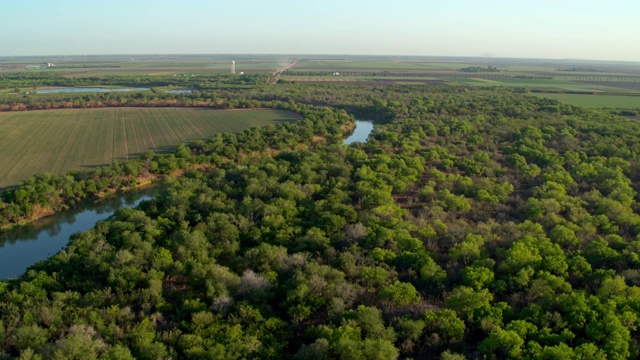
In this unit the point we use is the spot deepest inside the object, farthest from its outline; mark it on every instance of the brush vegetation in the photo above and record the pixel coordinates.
(472, 224)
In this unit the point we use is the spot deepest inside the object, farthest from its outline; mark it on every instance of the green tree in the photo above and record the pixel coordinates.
(464, 300)
(400, 294)
(502, 344)
(477, 277)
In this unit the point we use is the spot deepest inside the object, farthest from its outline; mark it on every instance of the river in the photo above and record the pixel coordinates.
(39, 240)
(36, 241)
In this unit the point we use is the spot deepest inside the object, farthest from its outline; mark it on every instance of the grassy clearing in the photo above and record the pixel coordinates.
(596, 101)
(57, 141)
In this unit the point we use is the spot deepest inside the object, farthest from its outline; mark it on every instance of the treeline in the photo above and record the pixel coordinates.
(533, 77)
(151, 98)
(475, 69)
(11, 80)
(580, 69)
(379, 102)
(308, 73)
(476, 224)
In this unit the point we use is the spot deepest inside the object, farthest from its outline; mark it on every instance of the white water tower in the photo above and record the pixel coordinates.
(233, 67)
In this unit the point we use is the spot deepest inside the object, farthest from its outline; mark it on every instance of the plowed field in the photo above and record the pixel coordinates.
(57, 141)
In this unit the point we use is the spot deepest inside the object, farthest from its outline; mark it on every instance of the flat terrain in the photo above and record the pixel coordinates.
(568, 76)
(596, 101)
(57, 141)
(202, 72)
(91, 66)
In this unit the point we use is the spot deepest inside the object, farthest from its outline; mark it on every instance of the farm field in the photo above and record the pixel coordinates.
(543, 84)
(199, 72)
(596, 101)
(57, 141)
(541, 74)
(91, 66)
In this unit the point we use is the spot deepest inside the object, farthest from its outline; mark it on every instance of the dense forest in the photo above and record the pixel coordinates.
(474, 223)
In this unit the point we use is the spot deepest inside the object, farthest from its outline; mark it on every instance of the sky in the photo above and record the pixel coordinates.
(558, 29)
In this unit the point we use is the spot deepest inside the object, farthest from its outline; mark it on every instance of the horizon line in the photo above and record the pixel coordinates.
(324, 54)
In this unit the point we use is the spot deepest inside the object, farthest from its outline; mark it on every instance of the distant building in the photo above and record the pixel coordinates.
(49, 65)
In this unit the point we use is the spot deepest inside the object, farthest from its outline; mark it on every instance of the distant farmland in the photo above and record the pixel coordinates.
(596, 101)
(57, 141)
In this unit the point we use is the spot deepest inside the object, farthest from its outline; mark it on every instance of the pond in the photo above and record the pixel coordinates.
(361, 132)
(39, 240)
(181, 91)
(87, 89)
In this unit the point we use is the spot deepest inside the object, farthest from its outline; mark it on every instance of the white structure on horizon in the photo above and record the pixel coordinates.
(233, 67)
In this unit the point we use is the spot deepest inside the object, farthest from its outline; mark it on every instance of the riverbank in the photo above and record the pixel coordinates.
(22, 247)
(40, 212)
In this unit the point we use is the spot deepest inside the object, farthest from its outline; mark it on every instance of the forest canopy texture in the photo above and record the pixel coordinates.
(472, 224)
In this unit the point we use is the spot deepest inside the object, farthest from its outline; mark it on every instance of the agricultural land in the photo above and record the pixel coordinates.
(207, 72)
(58, 141)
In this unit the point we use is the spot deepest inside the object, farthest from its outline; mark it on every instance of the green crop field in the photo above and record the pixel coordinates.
(57, 141)
(548, 84)
(596, 101)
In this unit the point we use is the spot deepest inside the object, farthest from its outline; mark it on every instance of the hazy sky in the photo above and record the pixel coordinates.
(588, 29)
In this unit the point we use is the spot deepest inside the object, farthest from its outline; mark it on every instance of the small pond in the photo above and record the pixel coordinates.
(179, 91)
(87, 89)
(361, 132)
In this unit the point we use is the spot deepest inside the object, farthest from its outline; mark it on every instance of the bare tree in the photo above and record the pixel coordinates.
(355, 232)
(251, 281)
